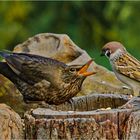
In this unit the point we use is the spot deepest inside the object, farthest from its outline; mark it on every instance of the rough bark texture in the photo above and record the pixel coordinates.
(10, 124)
(122, 123)
(108, 124)
(133, 126)
(80, 123)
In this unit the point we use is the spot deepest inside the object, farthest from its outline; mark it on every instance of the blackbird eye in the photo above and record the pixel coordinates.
(72, 70)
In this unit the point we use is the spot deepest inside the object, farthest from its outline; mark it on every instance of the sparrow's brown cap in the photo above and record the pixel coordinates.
(112, 47)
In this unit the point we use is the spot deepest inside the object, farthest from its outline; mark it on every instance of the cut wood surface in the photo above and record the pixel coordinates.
(93, 102)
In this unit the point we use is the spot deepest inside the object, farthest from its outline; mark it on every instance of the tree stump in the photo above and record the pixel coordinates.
(86, 122)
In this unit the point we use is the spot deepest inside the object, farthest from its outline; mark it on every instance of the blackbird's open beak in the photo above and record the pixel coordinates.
(83, 69)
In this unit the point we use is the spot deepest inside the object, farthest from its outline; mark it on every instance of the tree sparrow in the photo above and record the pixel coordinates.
(124, 65)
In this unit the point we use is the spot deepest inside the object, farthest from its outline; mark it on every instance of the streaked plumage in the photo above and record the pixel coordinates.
(124, 65)
(43, 79)
(129, 66)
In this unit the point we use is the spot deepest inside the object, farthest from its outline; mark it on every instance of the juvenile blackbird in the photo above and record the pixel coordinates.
(43, 79)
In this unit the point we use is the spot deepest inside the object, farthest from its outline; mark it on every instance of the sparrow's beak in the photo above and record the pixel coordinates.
(83, 69)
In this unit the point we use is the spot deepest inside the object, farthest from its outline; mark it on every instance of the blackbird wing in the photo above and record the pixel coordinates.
(128, 66)
(31, 68)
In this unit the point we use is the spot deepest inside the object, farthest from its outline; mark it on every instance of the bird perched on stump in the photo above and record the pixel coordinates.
(43, 79)
(124, 65)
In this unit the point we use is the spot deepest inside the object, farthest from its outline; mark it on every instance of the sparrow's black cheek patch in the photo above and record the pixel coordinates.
(106, 52)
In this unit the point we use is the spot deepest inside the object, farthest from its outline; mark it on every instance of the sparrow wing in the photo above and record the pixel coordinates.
(31, 68)
(128, 66)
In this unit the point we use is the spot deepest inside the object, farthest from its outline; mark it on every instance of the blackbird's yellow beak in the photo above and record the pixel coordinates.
(83, 69)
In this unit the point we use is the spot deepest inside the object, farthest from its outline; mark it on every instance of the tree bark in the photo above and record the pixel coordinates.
(83, 122)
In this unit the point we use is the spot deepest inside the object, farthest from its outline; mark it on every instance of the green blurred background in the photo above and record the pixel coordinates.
(89, 24)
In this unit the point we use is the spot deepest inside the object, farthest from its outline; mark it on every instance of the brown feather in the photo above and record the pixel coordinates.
(128, 66)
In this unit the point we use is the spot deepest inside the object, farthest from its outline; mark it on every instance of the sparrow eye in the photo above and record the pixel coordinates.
(107, 53)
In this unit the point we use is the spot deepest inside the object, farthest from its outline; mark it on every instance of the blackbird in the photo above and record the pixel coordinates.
(43, 79)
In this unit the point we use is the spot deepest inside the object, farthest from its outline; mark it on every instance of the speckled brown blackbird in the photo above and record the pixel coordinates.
(43, 79)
